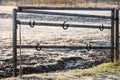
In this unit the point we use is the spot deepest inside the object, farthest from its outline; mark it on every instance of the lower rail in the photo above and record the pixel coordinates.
(64, 47)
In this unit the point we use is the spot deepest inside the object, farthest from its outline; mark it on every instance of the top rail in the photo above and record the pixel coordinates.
(64, 14)
(64, 8)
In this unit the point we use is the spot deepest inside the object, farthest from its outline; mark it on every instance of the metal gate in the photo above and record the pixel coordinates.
(114, 47)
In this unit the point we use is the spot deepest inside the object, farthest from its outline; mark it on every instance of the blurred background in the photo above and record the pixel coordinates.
(82, 3)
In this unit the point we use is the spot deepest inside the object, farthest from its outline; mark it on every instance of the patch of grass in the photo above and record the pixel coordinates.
(107, 66)
(96, 69)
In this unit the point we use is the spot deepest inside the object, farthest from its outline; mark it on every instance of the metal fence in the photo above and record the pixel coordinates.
(114, 27)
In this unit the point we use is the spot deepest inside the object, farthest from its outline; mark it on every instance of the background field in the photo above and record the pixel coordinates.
(83, 3)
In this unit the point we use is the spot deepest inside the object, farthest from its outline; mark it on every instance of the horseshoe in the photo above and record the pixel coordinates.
(32, 24)
(65, 27)
(18, 22)
(101, 27)
(37, 47)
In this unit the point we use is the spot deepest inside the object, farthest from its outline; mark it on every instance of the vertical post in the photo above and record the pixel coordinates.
(14, 43)
(117, 35)
(118, 3)
(86, 2)
(95, 3)
(112, 35)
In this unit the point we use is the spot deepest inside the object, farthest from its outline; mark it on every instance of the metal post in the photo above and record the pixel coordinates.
(117, 35)
(118, 3)
(112, 35)
(14, 43)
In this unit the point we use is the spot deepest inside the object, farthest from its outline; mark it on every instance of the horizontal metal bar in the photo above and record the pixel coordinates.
(65, 25)
(64, 8)
(63, 47)
(64, 14)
